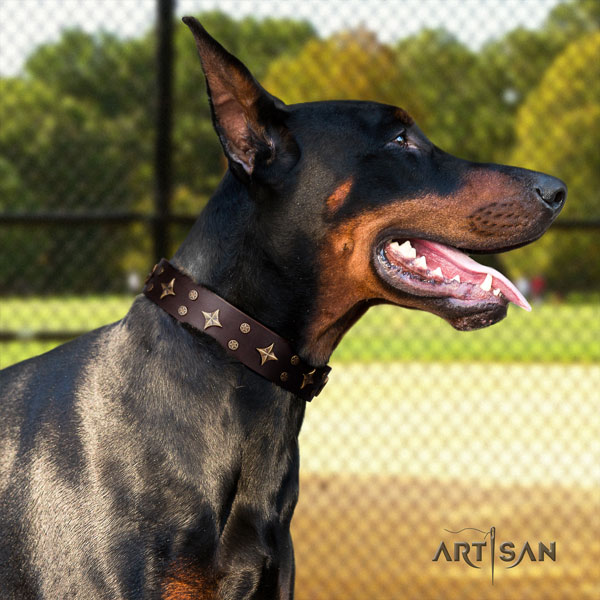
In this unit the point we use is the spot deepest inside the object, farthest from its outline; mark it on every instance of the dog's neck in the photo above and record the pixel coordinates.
(226, 252)
(223, 254)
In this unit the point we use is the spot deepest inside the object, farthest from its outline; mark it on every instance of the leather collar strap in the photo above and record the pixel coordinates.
(253, 344)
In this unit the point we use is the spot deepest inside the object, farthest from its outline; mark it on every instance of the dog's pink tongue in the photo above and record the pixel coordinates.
(469, 266)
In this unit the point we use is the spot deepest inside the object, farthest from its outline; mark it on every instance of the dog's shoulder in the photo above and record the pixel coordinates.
(44, 389)
(57, 367)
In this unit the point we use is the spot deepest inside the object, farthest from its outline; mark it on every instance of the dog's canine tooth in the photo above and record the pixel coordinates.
(421, 262)
(456, 278)
(437, 272)
(406, 250)
(496, 292)
(486, 286)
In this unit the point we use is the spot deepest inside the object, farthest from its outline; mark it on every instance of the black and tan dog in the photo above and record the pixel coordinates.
(143, 460)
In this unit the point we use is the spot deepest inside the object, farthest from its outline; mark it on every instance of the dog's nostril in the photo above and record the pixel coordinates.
(559, 198)
(551, 191)
(553, 198)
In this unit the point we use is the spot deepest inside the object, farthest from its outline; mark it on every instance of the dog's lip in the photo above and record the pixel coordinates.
(401, 263)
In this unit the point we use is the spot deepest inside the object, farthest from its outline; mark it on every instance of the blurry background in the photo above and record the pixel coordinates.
(107, 154)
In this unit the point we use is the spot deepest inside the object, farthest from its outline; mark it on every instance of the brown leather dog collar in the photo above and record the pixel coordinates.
(253, 344)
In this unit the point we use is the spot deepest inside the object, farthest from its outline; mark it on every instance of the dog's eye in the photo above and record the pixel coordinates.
(401, 139)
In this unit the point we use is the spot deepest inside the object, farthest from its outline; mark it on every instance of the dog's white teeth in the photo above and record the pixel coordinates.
(456, 278)
(496, 292)
(438, 273)
(486, 286)
(406, 250)
(420, 262)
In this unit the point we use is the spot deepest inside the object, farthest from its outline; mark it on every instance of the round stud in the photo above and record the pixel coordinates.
(295, 360)
(283, 376)
(245, 328)
(182, 310)
(233, 344)
(161, 271)
(150, 287)
(193, 295)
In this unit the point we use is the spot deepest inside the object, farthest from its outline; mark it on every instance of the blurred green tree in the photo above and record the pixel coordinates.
(510, 67)
(573, 18)
(556, 132)
(352, 65)
(446, 91)
(116, 78)
(78, 126)
(41, 129)
(430, 74)
(113, 75)
(87, 101)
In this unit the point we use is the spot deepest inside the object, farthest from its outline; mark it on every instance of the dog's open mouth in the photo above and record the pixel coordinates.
(425, 268)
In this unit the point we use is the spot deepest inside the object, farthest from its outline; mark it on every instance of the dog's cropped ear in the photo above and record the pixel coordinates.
(248, 120)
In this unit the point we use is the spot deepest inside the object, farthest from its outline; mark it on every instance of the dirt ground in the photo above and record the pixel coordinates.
(391, 458)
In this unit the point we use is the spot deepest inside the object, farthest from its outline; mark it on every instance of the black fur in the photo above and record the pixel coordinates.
(140, 453)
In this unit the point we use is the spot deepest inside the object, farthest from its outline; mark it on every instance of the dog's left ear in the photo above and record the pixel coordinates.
(250, 122)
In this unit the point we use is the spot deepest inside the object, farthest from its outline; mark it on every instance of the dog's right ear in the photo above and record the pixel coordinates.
(248, 120)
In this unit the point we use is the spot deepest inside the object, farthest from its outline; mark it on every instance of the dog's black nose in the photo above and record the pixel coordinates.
(551, 190)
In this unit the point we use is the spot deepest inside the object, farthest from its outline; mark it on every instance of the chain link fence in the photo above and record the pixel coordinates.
(423, 430)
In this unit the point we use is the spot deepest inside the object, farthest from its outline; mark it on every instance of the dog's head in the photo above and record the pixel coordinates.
(380, 214)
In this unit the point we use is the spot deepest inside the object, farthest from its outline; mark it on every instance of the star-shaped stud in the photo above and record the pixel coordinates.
(307, 379)
(211, 319)
(266, 354)
(151, 273)
(168, 289)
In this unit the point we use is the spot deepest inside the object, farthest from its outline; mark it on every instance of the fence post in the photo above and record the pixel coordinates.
(162, 155)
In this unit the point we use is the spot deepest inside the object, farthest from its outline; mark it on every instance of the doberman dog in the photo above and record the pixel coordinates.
(144, 460)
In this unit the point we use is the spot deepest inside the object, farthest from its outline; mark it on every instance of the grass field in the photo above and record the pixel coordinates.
(550, 333)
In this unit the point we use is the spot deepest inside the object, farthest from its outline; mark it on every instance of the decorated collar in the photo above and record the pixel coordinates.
(243, 338)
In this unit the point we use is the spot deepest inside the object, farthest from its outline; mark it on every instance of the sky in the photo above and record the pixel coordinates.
(25, 24)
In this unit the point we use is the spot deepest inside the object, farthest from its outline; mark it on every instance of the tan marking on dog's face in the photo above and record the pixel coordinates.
(403, 117)
(339, 195)
(347, 278)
